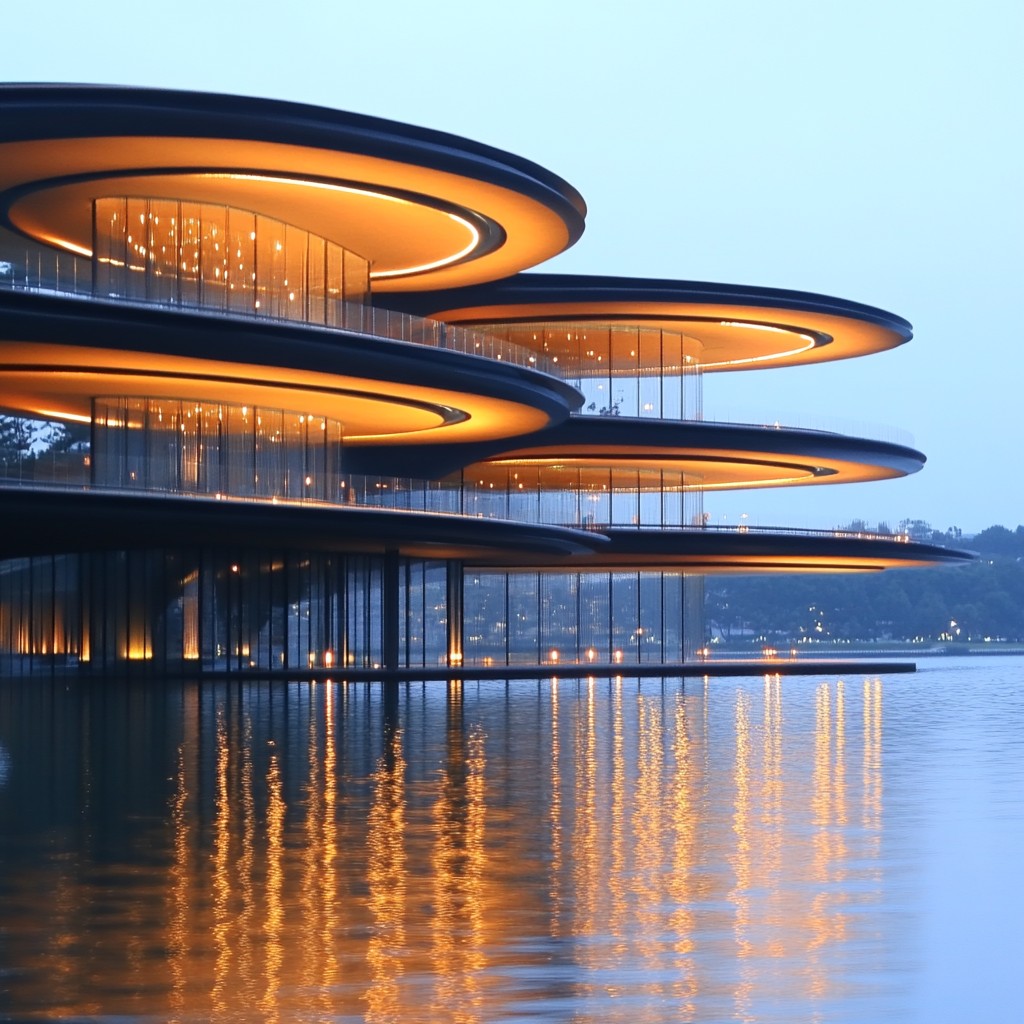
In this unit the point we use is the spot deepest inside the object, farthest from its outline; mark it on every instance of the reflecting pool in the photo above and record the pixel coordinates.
(613, 849)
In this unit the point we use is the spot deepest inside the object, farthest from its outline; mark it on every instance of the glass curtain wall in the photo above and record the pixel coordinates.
(177, 253)
(191, 447)
(580, 618)
(621, 370)
(562, 495)
(587, 496)
(194, 609)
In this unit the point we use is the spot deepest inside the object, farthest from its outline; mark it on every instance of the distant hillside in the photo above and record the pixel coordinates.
(984, 599)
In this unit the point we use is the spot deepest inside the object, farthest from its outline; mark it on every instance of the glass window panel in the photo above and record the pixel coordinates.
(650, 352)
(523, 618)
(625, 497)
(240, 242)
(293, 285)
(212, 255)
(162, 263)
(558, 617)
(316, 280)
(625, 370)
(650, 498)
(649, 631)
(189, 247)
(625, 615)
(671, 384)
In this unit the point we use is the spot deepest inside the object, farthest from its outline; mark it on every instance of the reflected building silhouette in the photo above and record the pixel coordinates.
(466, 854)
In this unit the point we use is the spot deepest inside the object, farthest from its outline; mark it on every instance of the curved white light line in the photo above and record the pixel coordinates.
(326, 186)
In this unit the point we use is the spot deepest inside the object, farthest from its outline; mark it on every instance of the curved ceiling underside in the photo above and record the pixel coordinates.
(724, 327)
(36, 522)
(711, 459)
(426, 208)
(57, 354)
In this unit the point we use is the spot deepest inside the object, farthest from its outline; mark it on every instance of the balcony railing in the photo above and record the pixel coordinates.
(70, 471)
(62, 273)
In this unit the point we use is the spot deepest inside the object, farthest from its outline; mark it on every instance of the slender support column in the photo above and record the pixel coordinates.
(390, 610)
(455, 596)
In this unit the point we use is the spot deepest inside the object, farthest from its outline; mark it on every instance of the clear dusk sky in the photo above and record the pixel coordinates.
(868, 150)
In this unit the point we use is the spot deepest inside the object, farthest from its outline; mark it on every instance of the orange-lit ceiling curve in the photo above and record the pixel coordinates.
(737, 562)
(419, 226)
(715, 336)
(58, 382)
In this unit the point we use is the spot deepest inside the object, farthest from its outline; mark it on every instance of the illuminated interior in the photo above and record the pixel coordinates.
(190, 447)
(716, 332)
(222, 258)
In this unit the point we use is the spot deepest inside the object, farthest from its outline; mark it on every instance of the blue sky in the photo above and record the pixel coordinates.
(866, 150)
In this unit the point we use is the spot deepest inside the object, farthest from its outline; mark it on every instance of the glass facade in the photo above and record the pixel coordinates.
(563, 495)
(177, 253)
(621, 370)
(237, 610)
(604, 618)
(191, 447)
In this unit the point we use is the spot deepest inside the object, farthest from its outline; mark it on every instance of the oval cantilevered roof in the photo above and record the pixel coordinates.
(428, 209)
(57, 353)
(724, 327)
(753, 551)
(595, 453)
(709, 456)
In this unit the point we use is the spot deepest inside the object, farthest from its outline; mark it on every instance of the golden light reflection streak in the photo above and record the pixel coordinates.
(586, 877)
(221, 871)
(649, 833)
(741, 860)
(312, 906)
(618, 810)
(476, 856)
(820, 808)
(837, 831)
(772, 834)
(245, 870)
(828, 804)
(871, 813)
(177, 945)
(459, 867)
(274, 922)
(555, 819)
(329, 867)
(680, 882)
(387, 882)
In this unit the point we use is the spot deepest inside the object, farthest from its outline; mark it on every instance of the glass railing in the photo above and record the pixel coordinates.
(63, 273)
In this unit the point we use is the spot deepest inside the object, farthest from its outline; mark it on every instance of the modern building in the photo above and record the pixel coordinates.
(318, 417)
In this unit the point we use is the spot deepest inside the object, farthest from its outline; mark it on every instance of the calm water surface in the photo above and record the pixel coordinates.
(760, 849)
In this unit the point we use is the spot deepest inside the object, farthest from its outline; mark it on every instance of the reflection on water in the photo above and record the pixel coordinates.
(600, 850)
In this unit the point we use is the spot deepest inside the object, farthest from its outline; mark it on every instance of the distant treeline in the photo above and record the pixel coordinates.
(949, 604)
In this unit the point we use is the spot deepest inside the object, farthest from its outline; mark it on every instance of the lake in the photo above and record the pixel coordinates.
(609, 849)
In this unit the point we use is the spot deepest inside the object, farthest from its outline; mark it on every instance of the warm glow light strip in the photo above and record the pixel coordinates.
(771, 357)
(51, 414)
(63, 243)
(327, 186)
